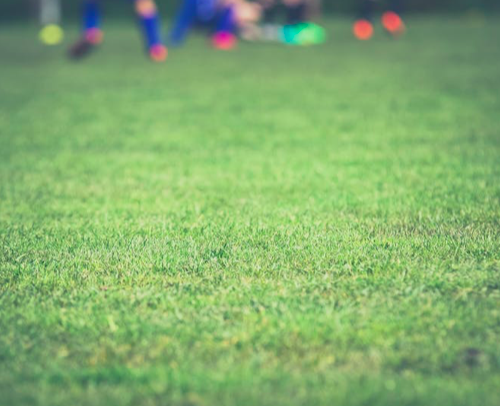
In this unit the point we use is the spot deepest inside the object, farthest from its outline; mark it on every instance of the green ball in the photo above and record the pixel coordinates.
(51, 34)
(311, 34)
(303, 34)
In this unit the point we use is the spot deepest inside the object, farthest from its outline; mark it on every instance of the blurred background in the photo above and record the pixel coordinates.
(10, 9)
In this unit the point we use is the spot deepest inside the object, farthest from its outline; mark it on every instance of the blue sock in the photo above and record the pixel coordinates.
(91, 14)
(183, 22)
(225, 21)
(150, 27)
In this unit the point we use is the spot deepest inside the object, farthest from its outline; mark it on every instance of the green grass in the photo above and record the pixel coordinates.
(270, 227)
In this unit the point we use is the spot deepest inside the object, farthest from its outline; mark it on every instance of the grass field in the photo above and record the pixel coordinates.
(269, 227)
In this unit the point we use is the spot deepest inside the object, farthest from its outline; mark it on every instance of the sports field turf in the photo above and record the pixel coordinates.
(274, 226)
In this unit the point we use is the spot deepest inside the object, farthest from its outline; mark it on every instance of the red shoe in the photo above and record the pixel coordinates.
(158, 53)
(362, 30)
(224, 40)
(393, 23)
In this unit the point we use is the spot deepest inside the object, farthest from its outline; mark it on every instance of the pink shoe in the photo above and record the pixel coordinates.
(224, 40)
(94, 36)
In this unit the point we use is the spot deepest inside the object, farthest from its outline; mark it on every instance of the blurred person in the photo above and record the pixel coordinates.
(92, 35)
(51, 32)
(225, 20)
(391, 19)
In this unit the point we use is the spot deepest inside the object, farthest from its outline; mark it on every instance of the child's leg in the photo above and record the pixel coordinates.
(225, 21)
(92, 21)
(183, 22)
(92, 34)
(225, 29)
(150, 21)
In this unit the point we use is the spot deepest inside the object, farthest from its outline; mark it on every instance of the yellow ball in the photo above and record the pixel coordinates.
(51, 34)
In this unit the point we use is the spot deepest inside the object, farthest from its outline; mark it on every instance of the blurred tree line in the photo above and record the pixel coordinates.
(13, 9)
(350, 6)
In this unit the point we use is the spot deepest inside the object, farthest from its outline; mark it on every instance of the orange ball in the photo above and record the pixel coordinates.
(392, 22)
(363, 30)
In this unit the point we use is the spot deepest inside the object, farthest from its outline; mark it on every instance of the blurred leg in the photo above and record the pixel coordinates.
(92, 21)
(92, 33)
(183, 22)
(225, 20)
(225, 29)
(150, 21)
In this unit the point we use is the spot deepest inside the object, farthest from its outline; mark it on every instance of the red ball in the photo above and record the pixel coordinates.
(363, 30)
(392, 23)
